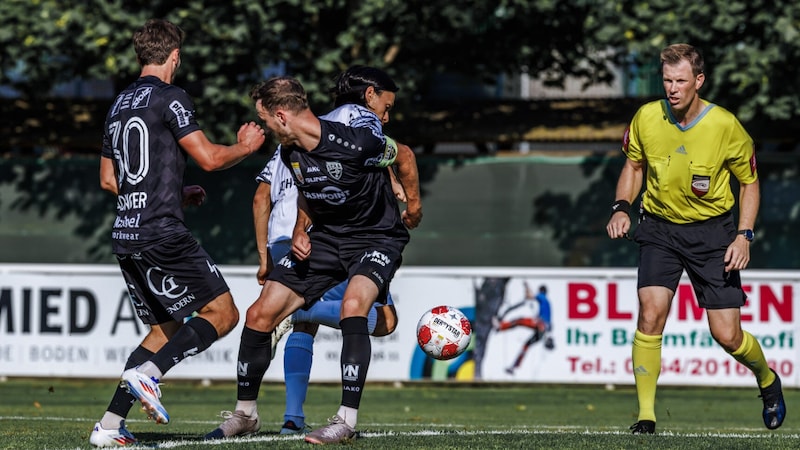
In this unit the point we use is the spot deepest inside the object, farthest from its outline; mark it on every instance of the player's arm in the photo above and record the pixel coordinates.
(737, 257)
(301, 243)
(397, 187)
(261, 210)
(408, 174)
(628, 187)
(108, 178)
(210, 156)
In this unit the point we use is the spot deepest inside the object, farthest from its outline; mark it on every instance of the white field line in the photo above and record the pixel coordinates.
(435, 430)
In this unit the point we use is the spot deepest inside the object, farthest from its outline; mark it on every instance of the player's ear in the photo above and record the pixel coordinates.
(369, 96)
(699, 80)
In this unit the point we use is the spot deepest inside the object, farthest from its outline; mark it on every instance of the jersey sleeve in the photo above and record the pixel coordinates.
(631, 143)
(179, 114)
(742, 162)
(389, 155)
(268, 172)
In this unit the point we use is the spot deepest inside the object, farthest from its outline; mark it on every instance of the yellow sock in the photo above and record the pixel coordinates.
(646, 356)
(751, 355)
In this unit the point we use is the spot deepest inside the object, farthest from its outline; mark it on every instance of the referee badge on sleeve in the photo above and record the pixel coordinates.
(700, 184)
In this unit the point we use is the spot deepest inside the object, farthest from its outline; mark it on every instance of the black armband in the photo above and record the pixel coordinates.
(621, 206)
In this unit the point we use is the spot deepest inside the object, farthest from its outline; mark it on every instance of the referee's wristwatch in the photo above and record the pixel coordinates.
(748, 234)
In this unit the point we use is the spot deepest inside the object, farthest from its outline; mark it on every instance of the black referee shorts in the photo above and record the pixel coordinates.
(171, 280)
(667, 249)
(334, 259)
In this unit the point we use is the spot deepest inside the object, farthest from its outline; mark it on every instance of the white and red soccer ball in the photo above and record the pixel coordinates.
(444, 332)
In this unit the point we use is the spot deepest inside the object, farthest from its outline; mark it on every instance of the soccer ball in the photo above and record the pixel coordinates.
(444, 332)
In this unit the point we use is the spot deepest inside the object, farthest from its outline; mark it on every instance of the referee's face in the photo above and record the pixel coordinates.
(681, 84)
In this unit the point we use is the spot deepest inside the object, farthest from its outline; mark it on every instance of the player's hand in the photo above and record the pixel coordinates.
(193, 195)
(251, 135)
(412, 216)
(398, 190)
(737, 257)
(301, 245)
(261, 275)
(618, 225)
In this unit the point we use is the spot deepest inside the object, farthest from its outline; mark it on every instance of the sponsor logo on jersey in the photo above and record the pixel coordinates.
(753, 161)
(334, 169)
(313, 169)
(330, 194)
(117, 105)
(298, 173)
(141, 98)
(700, 184)
(182, 114)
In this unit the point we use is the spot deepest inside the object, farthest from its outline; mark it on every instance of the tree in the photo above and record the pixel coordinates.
(751, 47)
(230, 44)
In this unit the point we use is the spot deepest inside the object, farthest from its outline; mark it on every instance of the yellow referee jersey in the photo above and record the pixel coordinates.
(689, 168)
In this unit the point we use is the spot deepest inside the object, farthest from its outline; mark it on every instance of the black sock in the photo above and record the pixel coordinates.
(356, 354)
(191, 338)
(122, 401)
(255, 354)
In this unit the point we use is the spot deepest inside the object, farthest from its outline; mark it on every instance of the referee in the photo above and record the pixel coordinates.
(690, 148)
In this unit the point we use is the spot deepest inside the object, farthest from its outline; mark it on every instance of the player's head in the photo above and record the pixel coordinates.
(676, 53)
(277, 99)
(280, 93)
(366, 86)
(155, 41)
(682, 75)
(543, 289)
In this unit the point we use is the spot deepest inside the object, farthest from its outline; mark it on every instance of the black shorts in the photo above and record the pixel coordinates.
(667, 249)
(171, 280)
(335, 259)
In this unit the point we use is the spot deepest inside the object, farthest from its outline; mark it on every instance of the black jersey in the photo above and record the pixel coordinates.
(141, 135)
(345, 184)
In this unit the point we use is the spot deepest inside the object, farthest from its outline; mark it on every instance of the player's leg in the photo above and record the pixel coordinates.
(355, 359)
(111, 431)
(660, 269)
(386, 318)
(725, 326)
(297, 359)
(275, 302)
(183, 280)
(654, 305)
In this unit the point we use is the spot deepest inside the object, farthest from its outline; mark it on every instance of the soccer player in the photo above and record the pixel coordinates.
(348, 227)
(149, 131)
(688, 148)
(368, 90)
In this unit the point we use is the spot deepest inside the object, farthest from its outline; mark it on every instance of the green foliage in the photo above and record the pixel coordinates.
(751, 47)
(229, 44)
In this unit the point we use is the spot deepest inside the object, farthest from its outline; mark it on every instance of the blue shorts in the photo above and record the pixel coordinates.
(171, 280)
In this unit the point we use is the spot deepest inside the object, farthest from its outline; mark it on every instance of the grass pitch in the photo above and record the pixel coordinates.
(59, 414)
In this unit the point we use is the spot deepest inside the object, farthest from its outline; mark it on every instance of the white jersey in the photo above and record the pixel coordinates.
(283, 197)
(283, 192)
